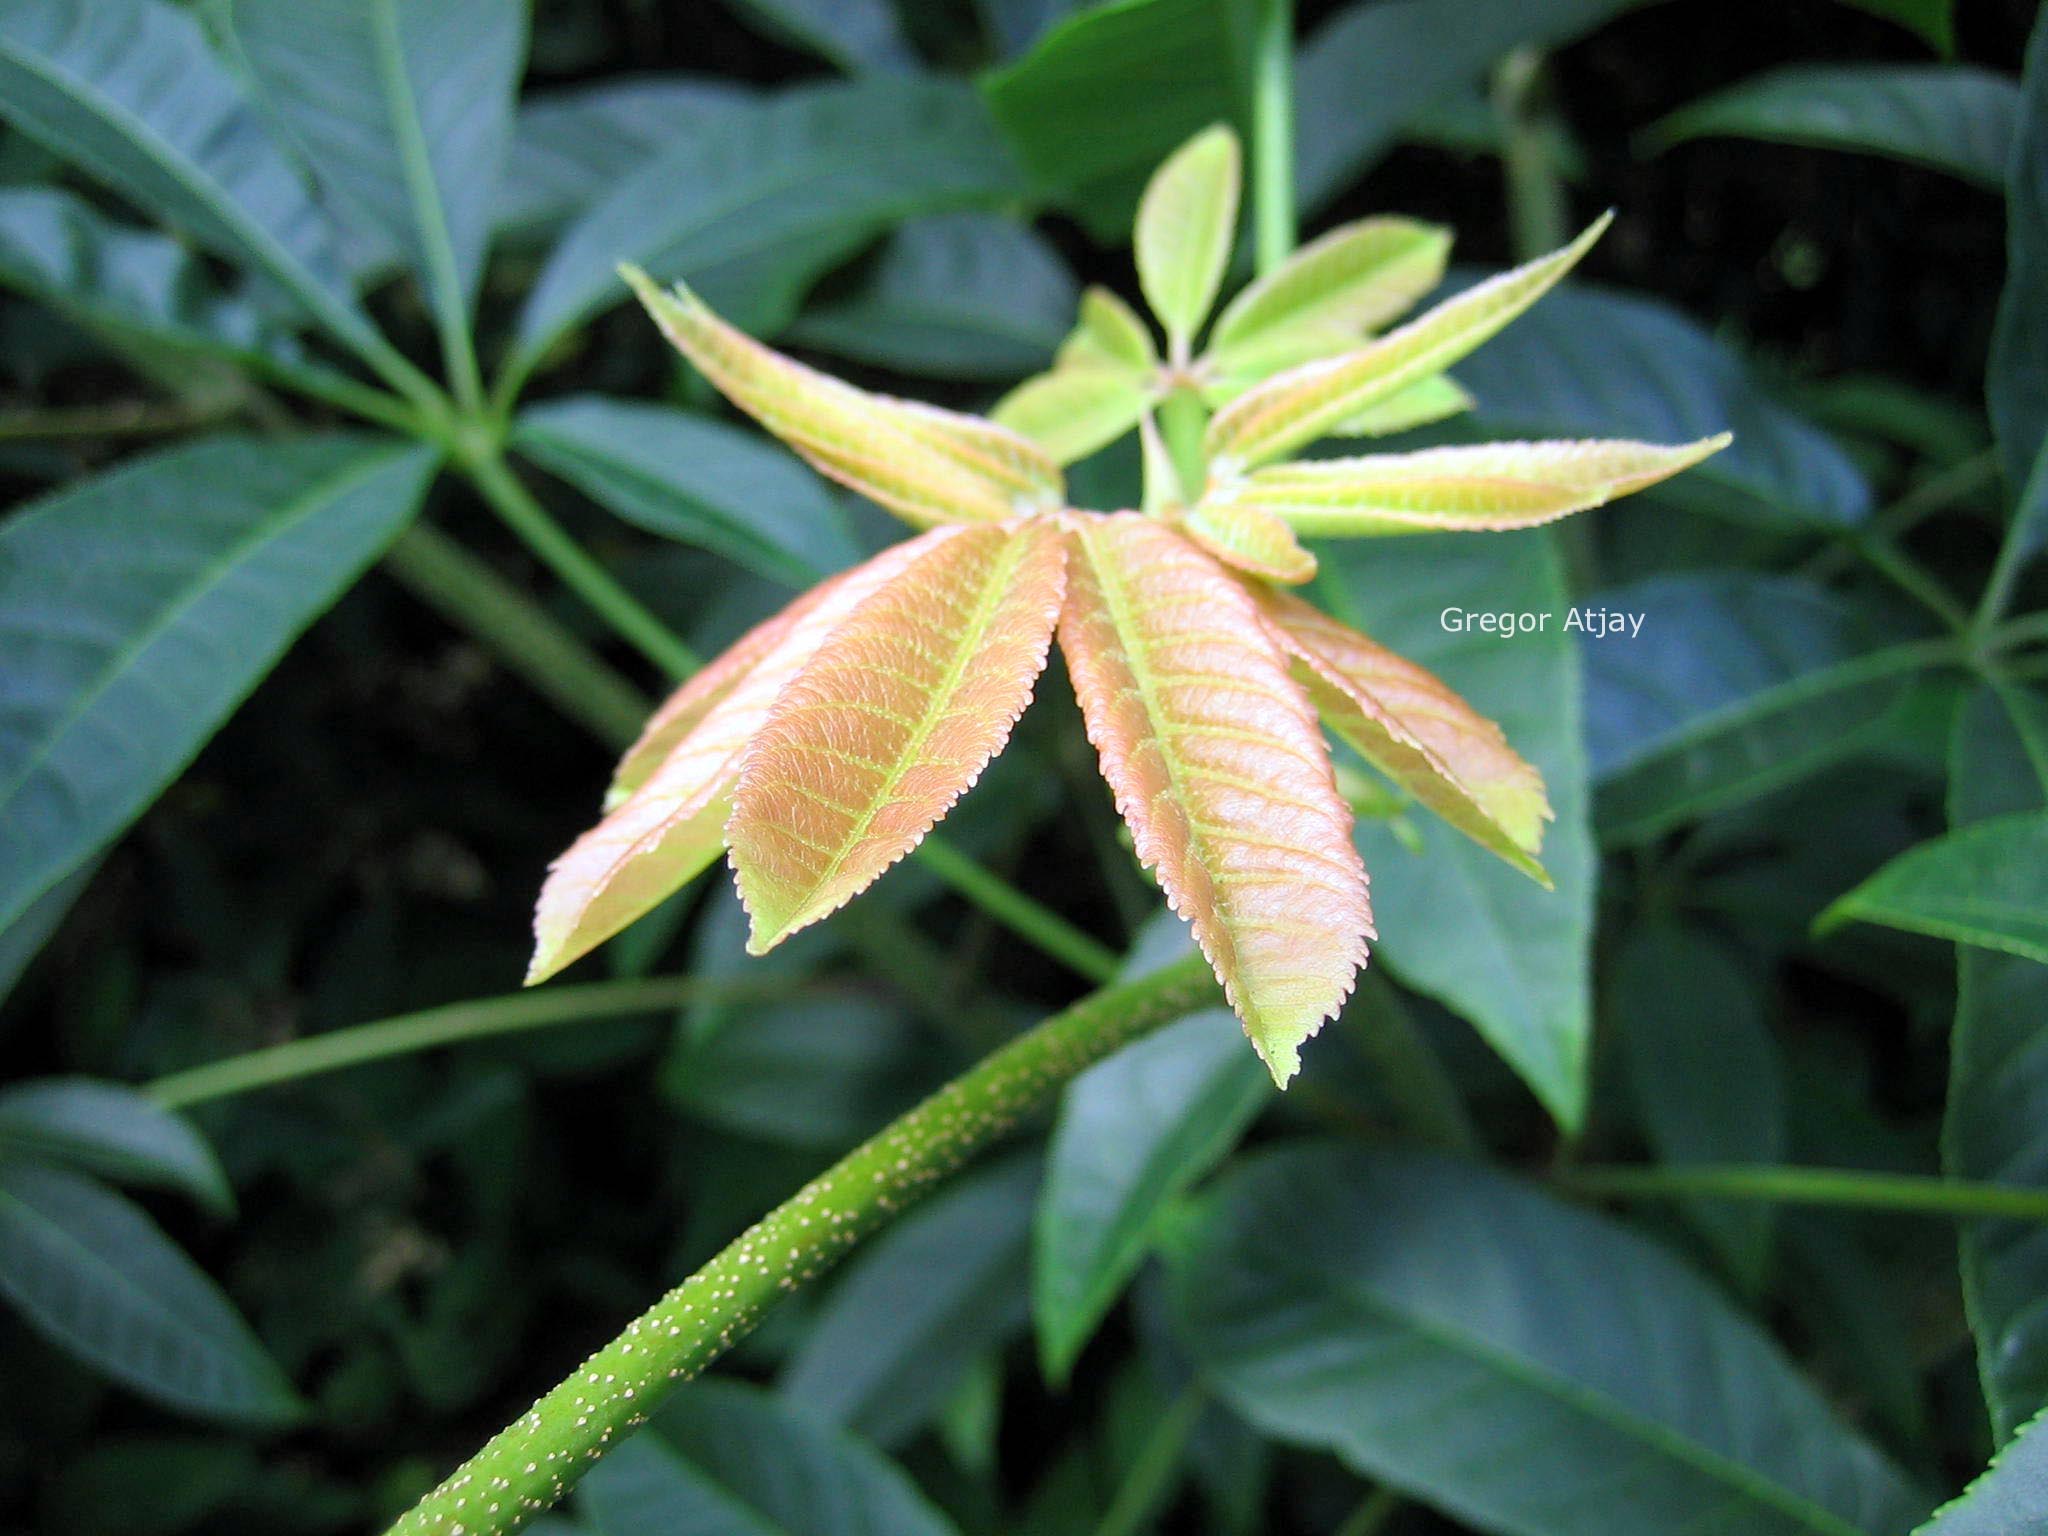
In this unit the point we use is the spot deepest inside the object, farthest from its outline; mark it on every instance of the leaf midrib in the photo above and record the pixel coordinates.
(1588, 1400)
(993, 591)
(206, 582)
(274, 257)
(423, 190)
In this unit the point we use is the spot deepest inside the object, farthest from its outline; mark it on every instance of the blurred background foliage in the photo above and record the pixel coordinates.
(1391, 1299)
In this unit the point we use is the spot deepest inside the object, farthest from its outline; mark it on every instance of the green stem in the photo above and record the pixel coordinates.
(2013, 552)
(1183, 419)
(128, 420)
(533, 1462)
(589, 580)
(1152, 1476)
(1888, 560)
(1273, 134)
(1011, 907)
(1372, 1514)
(477, 1019)
(1774, 1184)
(1535, 192)
(472, 596)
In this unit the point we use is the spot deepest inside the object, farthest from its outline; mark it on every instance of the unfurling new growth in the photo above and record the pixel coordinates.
(822, 747)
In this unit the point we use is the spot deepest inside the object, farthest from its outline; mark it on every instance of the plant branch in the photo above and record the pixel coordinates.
(532, 1463)
(477, 1019)
(1535, 192)
(519, 632)
(1009, 906)
(2013, 551)
(1776, 1184)
(1273, 134)
(1155, 1469)
(526, 517)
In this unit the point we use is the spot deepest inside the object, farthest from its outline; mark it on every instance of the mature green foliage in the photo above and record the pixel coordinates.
(295, 291)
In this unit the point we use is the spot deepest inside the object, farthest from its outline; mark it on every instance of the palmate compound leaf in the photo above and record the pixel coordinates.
(1219, 768)
(1437, 490)
(1305, 403)
(1403, 720)
(667, 807)
(873, 741)
(927, 465)
(1186, 222)
(1356, 278)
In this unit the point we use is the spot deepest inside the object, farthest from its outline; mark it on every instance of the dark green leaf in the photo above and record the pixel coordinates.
(919, 1307)
(724, 1459)
(959, 295)
(1525, 1366)
(125, 283)
(856, 35)
(112, 1131)
(139, 608)
(1592, 363)
(812, 1072)
(2016, 384)
(1996, 1127)
(98, 1278)
(1134, 1134)
(1455, 922)
(1985, 884)
(693, 479)
(815, 173)
(1373, 68)
(571, 147)
(1933, 20)
(403, 108)
(129, 91)
(1955, 118)
(21, 939)
(1737, 684)
(1709, 1082)
(2008, 1498)
(1111, 91)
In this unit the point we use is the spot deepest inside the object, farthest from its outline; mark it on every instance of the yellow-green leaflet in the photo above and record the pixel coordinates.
(1072, 411)
(1354, 279)
(1439, 490)
(1297, 407)
(929, 466)
(1186, 222)
(1109, 333)
(1418, 405)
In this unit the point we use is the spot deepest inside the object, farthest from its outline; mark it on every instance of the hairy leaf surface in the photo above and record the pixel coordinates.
(1217, 765)
(1302, 404)
(1355, 278)
(1075, 409)
(1252, 540)
(1418, 405)
(1186, 222)
(879, 734)
(1437, 490)
(673, 791)
(927, 465)
(1403, 720)
(1109, 332)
